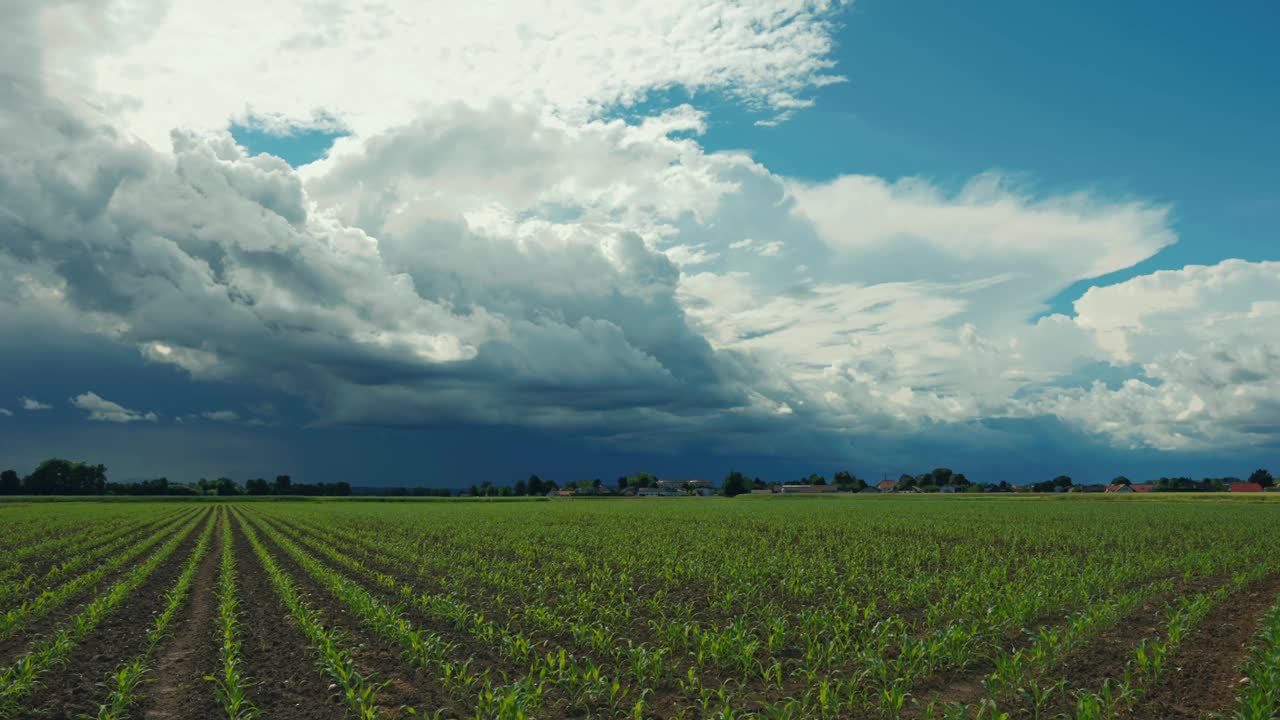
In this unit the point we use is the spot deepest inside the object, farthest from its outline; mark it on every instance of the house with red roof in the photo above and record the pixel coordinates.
(886, 486)
(1141, 488)
(1244, 487)
(1119, 488)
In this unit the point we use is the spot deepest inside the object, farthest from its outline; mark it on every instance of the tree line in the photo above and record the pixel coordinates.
(57, 476)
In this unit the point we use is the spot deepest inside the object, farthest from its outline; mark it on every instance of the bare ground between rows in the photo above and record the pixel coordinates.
(135, 534)
(667, 701)
(482, 656)
(407, 687)
(1205, 673)
(73, 690)
(284, 680)
(1106, 657)
(22, 640)
(968, 690)
(191, 651)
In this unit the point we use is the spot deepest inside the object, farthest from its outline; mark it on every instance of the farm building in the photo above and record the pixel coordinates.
(808, 489)
(659, 492)
(682, 485)
(1244, 487)
(887, 485)
(948, 489)
(1145, 487)
(762, 492)
(1120, 489)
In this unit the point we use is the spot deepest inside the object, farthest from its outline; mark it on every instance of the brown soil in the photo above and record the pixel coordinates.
(74, 690)
(42, 564)
(375, 658)
(284, 680)
(191, 652)
(23, 639)
(1205, 673)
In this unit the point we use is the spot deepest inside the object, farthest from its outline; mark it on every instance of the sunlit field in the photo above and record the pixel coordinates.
(753, 607)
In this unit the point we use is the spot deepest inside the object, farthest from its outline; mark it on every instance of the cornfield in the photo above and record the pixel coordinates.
(769, 608)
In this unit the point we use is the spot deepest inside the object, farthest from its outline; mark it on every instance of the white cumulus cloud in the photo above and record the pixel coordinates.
(104, 410)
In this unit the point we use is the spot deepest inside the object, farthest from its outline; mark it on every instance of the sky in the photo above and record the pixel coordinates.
(400, 244)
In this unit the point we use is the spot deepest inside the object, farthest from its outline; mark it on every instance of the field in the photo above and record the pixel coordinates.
(857, 607)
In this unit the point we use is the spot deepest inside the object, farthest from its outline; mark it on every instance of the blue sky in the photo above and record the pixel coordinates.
(490, 276)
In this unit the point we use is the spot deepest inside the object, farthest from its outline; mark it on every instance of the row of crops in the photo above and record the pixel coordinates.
(746, 608)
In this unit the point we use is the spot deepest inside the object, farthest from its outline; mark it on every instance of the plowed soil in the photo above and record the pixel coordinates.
(283, 673)
(191, 651)
(74, 689)
(404, 687)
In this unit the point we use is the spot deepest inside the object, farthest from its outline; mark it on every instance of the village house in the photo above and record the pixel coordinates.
(1119, 489)
(1244, 487)
(887, 486)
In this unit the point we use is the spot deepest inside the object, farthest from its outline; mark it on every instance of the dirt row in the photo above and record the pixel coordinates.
(287, 683)
(74, 690)
(405, 687)
(23, 639)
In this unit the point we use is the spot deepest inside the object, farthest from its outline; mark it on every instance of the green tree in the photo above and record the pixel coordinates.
(1262, 477)
(521, 488)
(941, 476)
(9, 483)
(257, 486)
(56, 476)
(735, 483)
(226, 486)
(283, 483)
(816, 479)
(1120, 480)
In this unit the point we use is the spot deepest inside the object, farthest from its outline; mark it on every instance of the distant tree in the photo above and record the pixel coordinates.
(906, 482)
(758, 484)
(521, 488)
(595, 485)
(1120, 480)
(735, 483)
(941, 476)
(56, 476)
(283, 483)
(257, 486)
(960, 480)
(1062, 481)
(535, 486)
(845, 481)
(226, 486)
(1262, 477)
(816, 479)
(642, 479)
(9, 483)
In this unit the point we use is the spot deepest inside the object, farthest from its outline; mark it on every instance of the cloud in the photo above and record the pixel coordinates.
(508, 254)
(33, 404)
(1207, 339)
(221, 415)
(6, 413)
(104, 410)
(766, 55)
